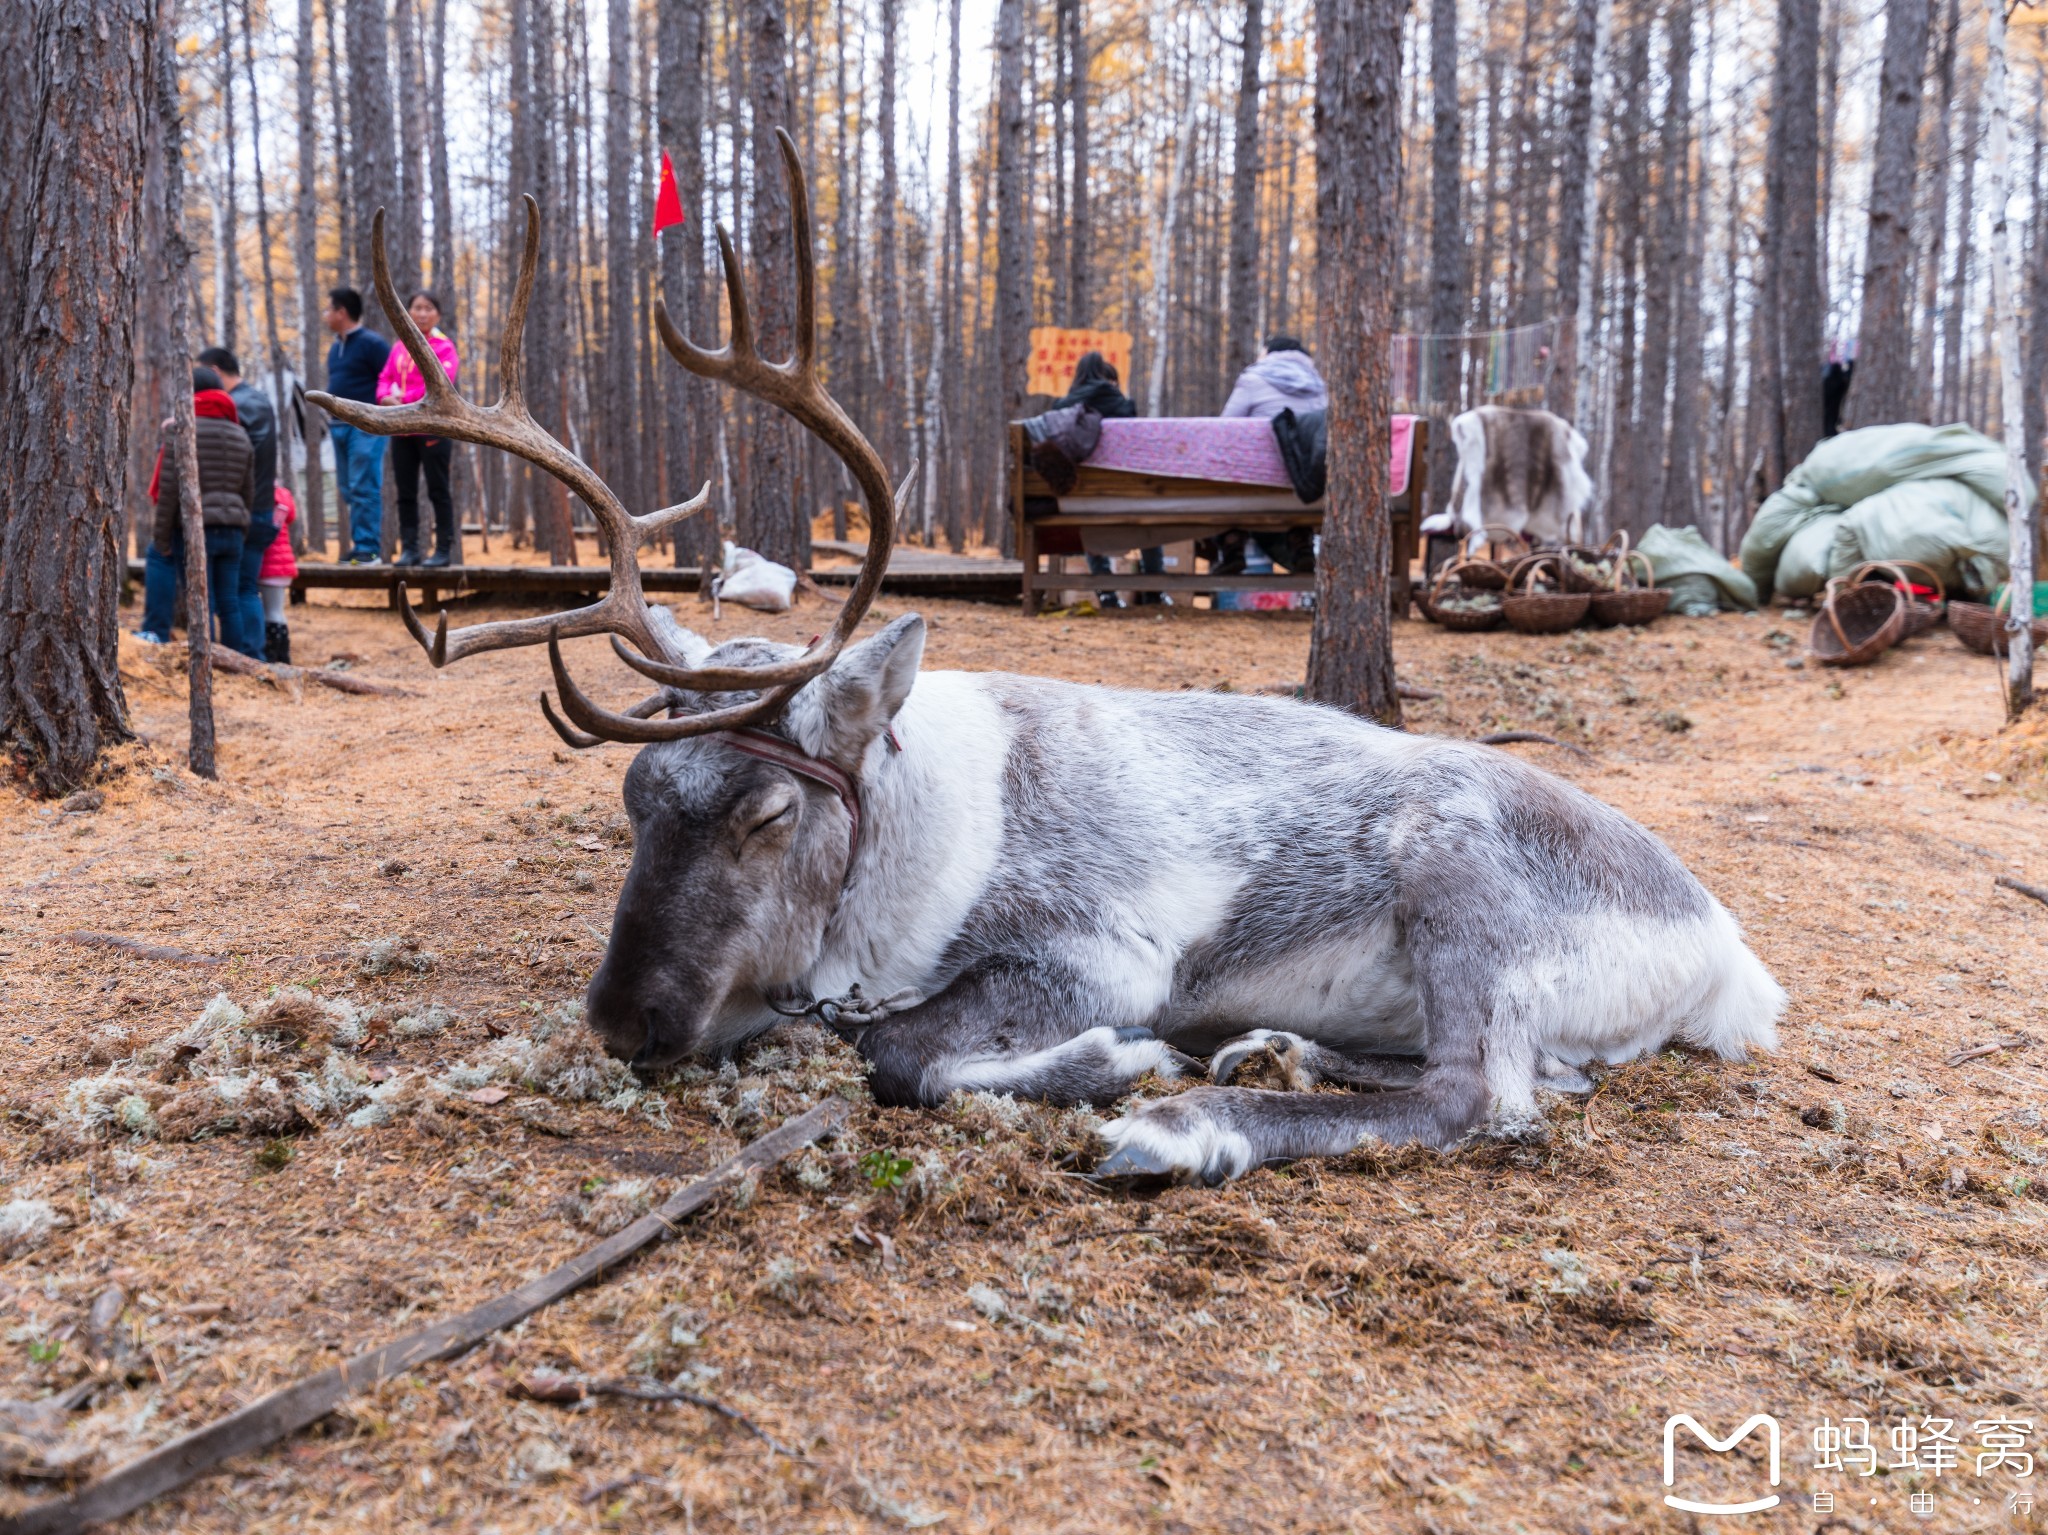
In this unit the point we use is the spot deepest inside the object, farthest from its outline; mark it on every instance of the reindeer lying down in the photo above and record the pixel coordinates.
(1022, 886)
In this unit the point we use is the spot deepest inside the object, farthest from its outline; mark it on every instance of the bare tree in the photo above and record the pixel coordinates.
(311, 529)
(1666, 266)
(442, 192)
(371, 147)
(1446, 235)
(1013, 250)
(1358, 167)
(2019, 631)
(621, 437)
(891, 381)
(86, 81)
(1934, 219)
(228, 260)
(1242, 338)
(1578, 208)
(777, 525)
(1952, 375)
(1790, 307)
(407, 141)
(686, 407)
(1884, 389)
(1081, 236)
(274, 345)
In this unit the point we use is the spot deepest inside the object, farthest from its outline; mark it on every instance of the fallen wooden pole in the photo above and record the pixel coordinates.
(2032, 892)
(137, 947)
(268, 1419)
(342, 682)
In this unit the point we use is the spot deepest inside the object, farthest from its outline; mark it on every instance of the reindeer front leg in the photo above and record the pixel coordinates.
(1012, 1026)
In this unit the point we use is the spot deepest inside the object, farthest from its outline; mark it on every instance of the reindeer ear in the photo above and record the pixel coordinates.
(860, 695)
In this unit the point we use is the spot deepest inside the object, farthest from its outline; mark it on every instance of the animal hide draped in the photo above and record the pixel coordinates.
(1519, 469)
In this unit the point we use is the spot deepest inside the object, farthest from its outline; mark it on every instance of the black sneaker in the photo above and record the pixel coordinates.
(436, 561)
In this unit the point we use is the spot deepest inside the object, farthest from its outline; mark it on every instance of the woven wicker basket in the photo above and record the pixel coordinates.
(1532, 612)
(1505, 548)
(1623, 603)
(1452, 580)
(1921, 614)
(1982, 628)
(1608, 561)
(1857, 624)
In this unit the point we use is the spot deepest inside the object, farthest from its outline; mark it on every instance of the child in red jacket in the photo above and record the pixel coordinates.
(274, 580)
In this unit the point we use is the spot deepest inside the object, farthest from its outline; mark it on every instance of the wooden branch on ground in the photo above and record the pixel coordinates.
(2034, 892)
(554, 1386)
(342, 682)
(1508, 737)
(1420, 695)
(270, 1418)
(137, 947)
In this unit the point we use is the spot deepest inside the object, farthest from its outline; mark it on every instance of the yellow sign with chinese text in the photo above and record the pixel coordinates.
(1055, 350)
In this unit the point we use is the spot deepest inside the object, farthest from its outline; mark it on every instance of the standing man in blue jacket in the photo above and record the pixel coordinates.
(353, 363)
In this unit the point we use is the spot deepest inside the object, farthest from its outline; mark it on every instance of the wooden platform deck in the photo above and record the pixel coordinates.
(945, 576)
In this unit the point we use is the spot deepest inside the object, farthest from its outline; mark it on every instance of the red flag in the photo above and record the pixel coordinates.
(668, 203)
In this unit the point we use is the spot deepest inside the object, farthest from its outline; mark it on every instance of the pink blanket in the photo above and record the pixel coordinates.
(1240, 451)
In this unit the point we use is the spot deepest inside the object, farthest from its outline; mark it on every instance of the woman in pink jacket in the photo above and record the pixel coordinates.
(401, 384)
(274, 580)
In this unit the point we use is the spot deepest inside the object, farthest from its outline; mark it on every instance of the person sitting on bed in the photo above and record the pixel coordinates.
(1097, 386)
(1284, 378)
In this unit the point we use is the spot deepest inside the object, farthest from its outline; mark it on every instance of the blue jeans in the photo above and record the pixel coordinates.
(359, 470)
(162, 569)
(255, 544)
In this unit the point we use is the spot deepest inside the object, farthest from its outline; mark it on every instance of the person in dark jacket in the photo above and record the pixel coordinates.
(227, 484)
(259, 419)
(353, 363)
(1098, 386)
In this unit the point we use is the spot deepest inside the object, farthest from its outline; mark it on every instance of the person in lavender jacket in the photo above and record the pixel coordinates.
(401, 384)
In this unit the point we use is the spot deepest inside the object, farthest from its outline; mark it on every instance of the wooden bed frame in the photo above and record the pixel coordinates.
(1049, 526)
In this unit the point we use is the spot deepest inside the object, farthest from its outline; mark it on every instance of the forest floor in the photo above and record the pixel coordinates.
(963, 1330)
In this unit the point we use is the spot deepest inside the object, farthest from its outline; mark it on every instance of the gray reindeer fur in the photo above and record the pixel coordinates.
(1063, 888)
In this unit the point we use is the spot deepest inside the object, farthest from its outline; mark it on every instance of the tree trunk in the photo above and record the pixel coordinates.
(372, 135)
(2036, 373)
(686, 405)
(1013, 254)
(1883, 390)
(344, 182)
(1667, 274)
(1954, 378)
(1241, 344)
(1792, 303)
(89, 83)
(547, 361)
(775, 525)
(1684, 459)
(273, 344)
(228, 259)
(1081, 232)
(2019, 632)
(1358, 168)
(309, 533)
(960, 420)
(1446, 247)
(891, 404)
(616, 340)
(1626, 500)
(446, 287)
(408, 137)
(1940, 154)
(1578, 208)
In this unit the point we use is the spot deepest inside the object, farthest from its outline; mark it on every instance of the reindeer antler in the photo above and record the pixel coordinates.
(624, 612)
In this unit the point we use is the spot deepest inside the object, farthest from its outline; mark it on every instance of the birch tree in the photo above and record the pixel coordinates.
(2019, 677)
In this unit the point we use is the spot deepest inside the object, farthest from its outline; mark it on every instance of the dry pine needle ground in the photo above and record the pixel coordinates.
(942, 1316)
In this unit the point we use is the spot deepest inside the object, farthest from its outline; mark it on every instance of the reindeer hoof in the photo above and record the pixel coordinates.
(1178, 1138)
(1289, 1053)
